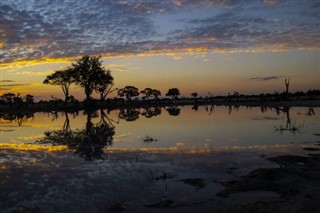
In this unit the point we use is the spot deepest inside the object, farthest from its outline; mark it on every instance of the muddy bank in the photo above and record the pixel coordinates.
(297, 181)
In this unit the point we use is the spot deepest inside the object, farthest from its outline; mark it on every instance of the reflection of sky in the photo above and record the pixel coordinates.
(191, 129)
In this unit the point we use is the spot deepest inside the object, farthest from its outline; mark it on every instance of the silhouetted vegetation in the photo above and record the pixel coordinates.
(173, 93)
(63, 78)
(173, 110)
(88, 142)
(89, 74)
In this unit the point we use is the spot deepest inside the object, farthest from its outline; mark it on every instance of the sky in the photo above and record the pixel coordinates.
(209, 47)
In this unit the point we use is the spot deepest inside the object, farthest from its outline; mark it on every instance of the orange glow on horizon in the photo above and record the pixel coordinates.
(175, 53)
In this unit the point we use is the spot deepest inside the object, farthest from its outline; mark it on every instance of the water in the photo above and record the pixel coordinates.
(90, 161)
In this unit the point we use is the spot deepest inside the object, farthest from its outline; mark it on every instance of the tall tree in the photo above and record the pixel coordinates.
(63, 78)
(104, 84)
(128, 92)
(88, 70)
(173, 92)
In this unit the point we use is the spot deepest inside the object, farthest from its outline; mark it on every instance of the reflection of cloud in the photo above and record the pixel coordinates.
(31, 137)
(267, 78)
(51, 29)
(117, 138)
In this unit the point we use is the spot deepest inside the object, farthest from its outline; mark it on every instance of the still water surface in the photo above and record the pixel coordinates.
(88, 161)
(205, 127)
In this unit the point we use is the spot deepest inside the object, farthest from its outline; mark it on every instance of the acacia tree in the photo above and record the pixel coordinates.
(128, 92)
(87, 73)
(104, 84)
(173, 92)
(63, 78)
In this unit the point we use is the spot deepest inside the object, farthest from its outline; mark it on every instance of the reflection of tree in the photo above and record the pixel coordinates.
(289, 126)
(129, 114)
(18, 118)
(87, 142)
(209, 109)
(310, 112)
(173, 110)
(195, 107)
(151, 112)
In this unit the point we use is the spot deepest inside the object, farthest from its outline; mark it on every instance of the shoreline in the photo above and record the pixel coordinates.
(45, 107)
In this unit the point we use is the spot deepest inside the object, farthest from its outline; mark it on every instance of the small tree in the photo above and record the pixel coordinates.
(128, 92)
(173, 92)
(29, 99)
(8, 97)
(148, 92)
(194, 95)
(63, 78)
(156, 93)
(287, 83)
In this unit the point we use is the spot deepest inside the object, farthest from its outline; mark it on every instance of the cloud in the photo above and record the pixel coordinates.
(13, 85)
(6, 81)
(267, 78)
(34, 73)
(41, 30)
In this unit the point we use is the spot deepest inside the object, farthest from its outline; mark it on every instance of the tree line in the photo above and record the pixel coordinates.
(91, 76)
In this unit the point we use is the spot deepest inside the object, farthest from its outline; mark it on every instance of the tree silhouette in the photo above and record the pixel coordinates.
(128, 92)
(173, 92)
(63, 78)
(148, 92)
(88, 72)
(287, 83)
(156, 94)
(9, 98)
(29, 99)
(104, 84)
(194, 95)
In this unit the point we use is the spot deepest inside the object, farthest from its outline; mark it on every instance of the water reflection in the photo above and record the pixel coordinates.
(150, 112)
(173, 110)
(88, 142)
(18, 118)
(129, 114)
(88, 133)
(288, 126)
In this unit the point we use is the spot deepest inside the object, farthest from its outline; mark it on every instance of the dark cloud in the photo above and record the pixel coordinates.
(57, 29)
(267, 78)
(6, 81)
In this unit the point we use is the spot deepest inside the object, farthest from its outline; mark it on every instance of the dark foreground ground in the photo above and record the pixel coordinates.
(222, 182)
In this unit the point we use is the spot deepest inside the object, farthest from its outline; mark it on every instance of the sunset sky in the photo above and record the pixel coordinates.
(204, 46)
